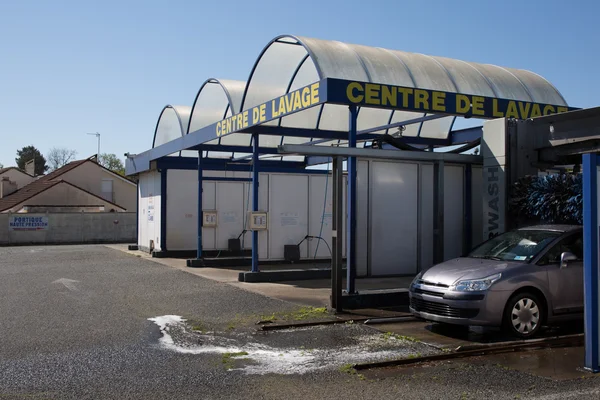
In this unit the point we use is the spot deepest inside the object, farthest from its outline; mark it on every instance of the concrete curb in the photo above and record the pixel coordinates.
(375, 299)
(285, 275)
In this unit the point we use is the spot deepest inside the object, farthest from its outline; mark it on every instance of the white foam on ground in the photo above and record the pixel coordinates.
(265, 359)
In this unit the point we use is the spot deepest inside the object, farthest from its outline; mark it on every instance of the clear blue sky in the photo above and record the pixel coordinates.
(71, 67)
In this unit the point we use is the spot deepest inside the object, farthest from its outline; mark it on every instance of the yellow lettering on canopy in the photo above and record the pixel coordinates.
(524, 109)
(281, 106)
(421, 98)
(228, 123)
(288, 103)
(297, 101)
(562, 109)
(239, 121)
(219, 128)
(274, 112)
(305, 97)
(389, 97)
(350, 92)
(438, 101)
(463, 104)
(405, 92)
(477, 102)
(495, 111)
(254, 115)
(511, 110)
(263, 109)
(314, 93)
(535, 111)
(549, 110)
(245, 119)
(372, 94)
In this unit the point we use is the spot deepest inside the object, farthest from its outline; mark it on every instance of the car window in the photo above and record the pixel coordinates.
(518, 245)
(572, 244)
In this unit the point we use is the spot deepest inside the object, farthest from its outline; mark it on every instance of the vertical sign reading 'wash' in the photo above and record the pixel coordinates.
(493, 150)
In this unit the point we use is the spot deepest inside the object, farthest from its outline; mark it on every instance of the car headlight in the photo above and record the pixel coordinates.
(474, 285)
(419, 275)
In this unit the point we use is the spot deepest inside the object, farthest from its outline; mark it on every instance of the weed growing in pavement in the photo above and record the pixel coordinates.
(198, 327)
(227, 358)
(303, 313)
(389, 335)
(348, 369)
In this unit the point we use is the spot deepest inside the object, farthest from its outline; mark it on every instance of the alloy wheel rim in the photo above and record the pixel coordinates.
(525, 316)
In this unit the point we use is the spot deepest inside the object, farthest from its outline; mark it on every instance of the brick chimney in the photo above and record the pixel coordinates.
(30, 167)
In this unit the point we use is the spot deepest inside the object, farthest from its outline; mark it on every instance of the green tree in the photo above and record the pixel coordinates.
(112, 162)
(29, 153)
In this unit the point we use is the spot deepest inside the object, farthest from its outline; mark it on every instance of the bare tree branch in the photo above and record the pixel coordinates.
(59, 157)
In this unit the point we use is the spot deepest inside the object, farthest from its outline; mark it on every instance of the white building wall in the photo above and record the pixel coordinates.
(149, 210)
(395, 219)
(454, 213)
(395, 229)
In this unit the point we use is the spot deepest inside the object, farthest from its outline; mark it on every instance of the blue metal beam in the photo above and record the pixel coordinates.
(352, 207)
(226, 179)
(591, 274)
(189, 163)
(424, 141)
(465, 135)
(236, 149)
(200, 208)
(295, 132)
(255, 175)
(402, 123)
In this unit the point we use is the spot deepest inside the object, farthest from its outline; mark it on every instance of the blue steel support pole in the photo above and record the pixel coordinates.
(590, 262)
(137, 213)
(352, 209)
(255, 170)
(200, 219)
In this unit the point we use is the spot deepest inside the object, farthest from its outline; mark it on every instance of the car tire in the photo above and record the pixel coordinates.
(524, 315)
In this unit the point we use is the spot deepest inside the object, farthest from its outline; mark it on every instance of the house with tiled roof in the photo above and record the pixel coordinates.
(82, 185)
(13, 179)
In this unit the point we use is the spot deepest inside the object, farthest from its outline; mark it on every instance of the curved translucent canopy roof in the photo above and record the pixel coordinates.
(217, 99)
(172, 123)
(290, 62)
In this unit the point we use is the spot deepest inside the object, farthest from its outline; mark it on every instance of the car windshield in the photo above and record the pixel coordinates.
(519, 245)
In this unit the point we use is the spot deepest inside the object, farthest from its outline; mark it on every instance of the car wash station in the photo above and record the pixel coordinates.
(367, 161)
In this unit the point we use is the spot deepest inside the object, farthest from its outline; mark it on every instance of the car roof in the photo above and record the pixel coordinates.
(552, 227)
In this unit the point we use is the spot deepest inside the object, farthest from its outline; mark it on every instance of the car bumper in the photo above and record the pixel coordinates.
(476, 309)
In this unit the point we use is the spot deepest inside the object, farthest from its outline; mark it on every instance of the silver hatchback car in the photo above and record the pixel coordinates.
(518, 280)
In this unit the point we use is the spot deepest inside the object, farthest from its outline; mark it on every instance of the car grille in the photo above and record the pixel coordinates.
(441, 309)
(422, 282)
(428, 292)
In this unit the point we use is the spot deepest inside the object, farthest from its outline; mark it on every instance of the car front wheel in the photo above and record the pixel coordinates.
(524, 315)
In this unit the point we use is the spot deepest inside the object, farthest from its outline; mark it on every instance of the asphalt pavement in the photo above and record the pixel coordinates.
(75, 324)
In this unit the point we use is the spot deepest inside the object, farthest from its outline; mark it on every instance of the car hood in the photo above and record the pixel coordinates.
(449, 272)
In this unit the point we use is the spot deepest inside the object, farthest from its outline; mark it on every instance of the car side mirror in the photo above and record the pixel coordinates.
(566, 257)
